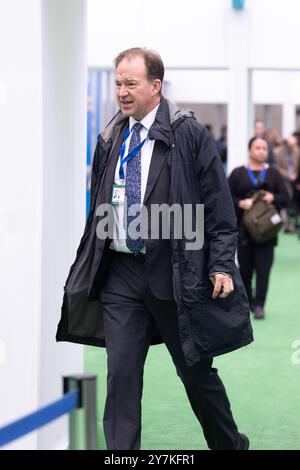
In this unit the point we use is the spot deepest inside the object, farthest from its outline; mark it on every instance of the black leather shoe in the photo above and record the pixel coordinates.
(244, 443)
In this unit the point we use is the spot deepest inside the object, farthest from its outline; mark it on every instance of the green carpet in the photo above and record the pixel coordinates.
(262, 381)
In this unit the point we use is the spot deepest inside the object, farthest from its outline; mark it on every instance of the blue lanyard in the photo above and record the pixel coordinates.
(261, 176)
(130, 155)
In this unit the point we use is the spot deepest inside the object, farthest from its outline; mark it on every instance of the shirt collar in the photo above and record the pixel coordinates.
(147, 121)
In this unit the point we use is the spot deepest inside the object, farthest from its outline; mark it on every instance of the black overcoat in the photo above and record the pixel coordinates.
(207, 327)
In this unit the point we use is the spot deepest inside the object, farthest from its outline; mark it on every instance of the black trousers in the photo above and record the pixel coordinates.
(130, 313)
(259, 258)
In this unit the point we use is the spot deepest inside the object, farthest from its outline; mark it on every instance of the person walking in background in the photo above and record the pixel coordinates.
(287, 162)
(297, 187)
(126, 293)
(244, 182)
(274, 139)
(259, 128)
(260, 131)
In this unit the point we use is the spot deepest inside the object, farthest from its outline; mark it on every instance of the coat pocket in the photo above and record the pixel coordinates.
(217, 324)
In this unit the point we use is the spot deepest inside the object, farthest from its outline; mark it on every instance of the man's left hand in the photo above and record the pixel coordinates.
(223, 285)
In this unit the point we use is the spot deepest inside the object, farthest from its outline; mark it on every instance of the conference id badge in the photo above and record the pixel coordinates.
(118, 195)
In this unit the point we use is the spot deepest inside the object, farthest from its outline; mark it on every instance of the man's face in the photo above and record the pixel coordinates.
(259, 129)
(135, 94)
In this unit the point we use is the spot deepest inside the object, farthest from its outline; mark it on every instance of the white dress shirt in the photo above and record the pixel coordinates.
(119, 233)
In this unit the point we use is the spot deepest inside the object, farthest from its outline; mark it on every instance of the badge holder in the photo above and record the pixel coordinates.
(118, 194)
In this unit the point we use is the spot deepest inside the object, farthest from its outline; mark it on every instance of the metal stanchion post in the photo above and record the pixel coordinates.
(83, 420)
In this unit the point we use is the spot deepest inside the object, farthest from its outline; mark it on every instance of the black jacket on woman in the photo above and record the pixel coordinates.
(242, 187)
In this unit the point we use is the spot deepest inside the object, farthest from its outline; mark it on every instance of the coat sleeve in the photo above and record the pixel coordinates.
(219, 214)
(232, 181)
(279, 160)
(281, 197)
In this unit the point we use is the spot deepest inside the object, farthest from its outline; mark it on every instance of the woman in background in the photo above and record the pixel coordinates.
(244, 182)
(287, 159)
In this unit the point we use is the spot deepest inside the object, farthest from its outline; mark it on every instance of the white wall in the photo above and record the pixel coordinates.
(196, 33)
(181, 33)
(204, 86)
(274, 33)
(42, 200)
(274, 87)
(20, 208)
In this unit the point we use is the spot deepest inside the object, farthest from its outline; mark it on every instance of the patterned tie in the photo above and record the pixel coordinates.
(133, 188)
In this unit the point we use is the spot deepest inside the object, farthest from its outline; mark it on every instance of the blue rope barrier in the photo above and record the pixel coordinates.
(39, 418)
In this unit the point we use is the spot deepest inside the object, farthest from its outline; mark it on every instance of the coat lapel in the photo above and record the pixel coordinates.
(157, 161)
(159, 132)
(113, 159)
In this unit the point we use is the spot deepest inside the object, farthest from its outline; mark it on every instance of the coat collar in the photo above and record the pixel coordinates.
(167, 117)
